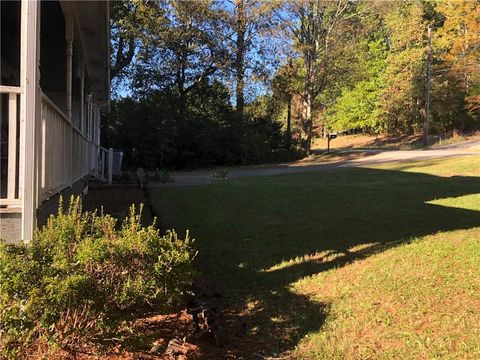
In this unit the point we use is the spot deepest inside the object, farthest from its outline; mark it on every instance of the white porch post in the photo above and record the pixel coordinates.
(110, 165)
(69, 57)
(82, 98)
(29, 114)
(68, 92)
(86, 145)
(12, 145)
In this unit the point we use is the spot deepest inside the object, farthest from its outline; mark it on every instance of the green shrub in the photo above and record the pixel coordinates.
(161, 175)
(82, 275)
(220, 174)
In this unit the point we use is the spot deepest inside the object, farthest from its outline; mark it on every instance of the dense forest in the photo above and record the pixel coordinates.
(218, 82)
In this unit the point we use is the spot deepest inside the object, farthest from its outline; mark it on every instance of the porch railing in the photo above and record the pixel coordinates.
(56, 154)
(11, 137)
(64, 153)
(67, 154)
(103, 158)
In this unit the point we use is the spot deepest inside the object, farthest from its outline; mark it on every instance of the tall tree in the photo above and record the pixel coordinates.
(285, 85)
(122, 38)
(179, 50)
(358, 105)
(456, 81)
(316, 29)
(180, 45)
(241, 48)
(248, 36)
(403, 98)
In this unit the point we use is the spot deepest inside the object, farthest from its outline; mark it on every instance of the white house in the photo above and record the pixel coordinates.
(54, 84)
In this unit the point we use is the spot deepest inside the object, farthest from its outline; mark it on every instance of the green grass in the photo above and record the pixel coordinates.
(417, 301)
(348, 263)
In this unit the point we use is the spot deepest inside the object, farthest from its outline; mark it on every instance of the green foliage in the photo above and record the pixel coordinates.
(386, 89)
(358, 107)
(263, 136)
(81, 275)
(262, 141)
(208, 134)
(342, 65)
(152, 137)
(403, 99)
(161, 175)
(220, 174)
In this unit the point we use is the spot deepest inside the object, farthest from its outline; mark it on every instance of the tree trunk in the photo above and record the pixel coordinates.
(289, 124)
(308, 105)
(309, 123)
(240, 61)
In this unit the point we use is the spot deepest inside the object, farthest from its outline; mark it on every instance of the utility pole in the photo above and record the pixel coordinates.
(427, 95)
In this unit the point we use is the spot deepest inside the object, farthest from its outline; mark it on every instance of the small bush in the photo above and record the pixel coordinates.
(161, 175)
(82, 275)
(220, 174)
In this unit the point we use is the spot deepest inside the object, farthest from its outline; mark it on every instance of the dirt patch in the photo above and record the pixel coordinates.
(369, 141)
(399, 142)
(332, 157)
(116, 200)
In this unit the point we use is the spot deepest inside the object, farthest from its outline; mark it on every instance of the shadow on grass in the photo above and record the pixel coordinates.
(247, 228)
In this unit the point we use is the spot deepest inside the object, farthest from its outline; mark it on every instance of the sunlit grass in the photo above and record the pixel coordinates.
(468, 165)
(468, 202)
(349, 263)
(420, 300)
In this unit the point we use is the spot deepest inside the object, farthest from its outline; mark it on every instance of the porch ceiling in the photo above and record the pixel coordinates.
(92, 23)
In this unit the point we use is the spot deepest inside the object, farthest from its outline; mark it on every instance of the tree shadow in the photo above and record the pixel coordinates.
(367, 209)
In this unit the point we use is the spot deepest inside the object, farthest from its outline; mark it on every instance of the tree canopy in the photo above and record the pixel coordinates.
(215, 82)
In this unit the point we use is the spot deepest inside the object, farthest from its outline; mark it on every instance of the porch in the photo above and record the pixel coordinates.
(54, 83)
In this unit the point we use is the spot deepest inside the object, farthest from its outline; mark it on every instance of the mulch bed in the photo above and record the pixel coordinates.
(175, 336)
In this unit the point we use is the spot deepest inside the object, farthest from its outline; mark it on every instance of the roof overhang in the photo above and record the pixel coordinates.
(93, 27)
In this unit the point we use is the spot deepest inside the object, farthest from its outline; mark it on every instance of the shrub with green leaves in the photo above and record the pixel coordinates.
(161, 175)
(83, 274)
(220, 174)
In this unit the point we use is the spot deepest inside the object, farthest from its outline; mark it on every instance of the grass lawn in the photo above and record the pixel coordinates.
(379, 262)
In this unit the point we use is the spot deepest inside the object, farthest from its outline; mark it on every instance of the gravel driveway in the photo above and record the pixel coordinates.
(372, 157)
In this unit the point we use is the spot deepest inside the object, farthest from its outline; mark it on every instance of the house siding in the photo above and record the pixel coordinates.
(10, 227)
(50, 206)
